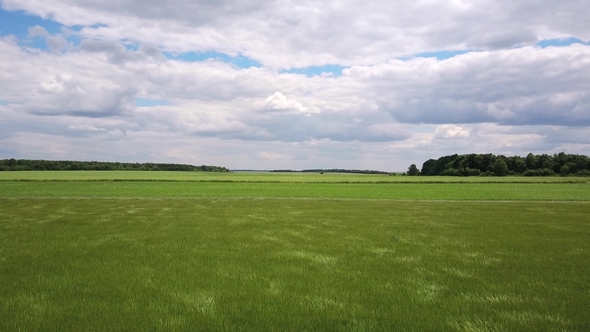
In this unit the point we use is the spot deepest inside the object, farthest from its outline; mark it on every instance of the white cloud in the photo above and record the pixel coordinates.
(84, 127)
(504, 96)
(451, 131)
(298, 34)
(280, 103)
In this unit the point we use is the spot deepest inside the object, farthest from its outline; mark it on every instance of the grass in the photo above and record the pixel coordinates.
(289, 252)
(398, 191)
(274, 264)
(266, 177)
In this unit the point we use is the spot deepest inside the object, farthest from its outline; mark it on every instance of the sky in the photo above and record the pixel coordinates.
(252, 84)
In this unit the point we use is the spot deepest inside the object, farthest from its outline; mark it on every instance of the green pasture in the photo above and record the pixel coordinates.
(242, 264)
(266, 177)
(176, 251)
(397, 191)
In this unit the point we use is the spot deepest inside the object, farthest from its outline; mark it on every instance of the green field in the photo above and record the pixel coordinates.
(397, 191)
(285, 254)
(267, 177)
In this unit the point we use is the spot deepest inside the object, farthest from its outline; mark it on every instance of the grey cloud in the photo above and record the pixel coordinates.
(298, 34)
(37, 31)
(84, 101)
(565, 135)
(190, 12)
(550, 111)
(290, 127)
(526, 97)
(151, 50)
(56, 43)
(117, 53)
(60, 84)
(504, 39)
(516, 87)
(209, 81)
(97, 46)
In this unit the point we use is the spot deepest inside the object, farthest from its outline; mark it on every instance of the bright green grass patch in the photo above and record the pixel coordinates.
(409, 191)
(242, 264)
(259, 177)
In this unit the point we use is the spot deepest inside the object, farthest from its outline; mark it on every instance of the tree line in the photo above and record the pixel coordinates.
(71, 165)
(500, 165)
(333, 170)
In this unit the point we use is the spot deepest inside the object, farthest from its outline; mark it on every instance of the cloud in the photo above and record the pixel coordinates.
(301, 34)
(387, 109)
(272, 156)
(503, 39)
(37, 31)
(279, 103)
(117, 53)
(66, 96)
(526, 85)
(451, 131)
(57, 43)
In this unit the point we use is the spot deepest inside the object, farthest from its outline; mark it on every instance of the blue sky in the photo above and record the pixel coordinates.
(100, 74)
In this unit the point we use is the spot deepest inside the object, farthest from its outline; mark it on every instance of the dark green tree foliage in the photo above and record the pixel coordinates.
(489, 164)
(413, 170)
(499, 167)
(333, 170)
(68, 165)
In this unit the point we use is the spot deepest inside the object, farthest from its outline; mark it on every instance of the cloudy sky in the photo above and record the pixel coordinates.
(253, 84)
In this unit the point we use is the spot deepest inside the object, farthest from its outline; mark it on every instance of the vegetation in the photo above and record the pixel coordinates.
(489, 164)
(188, 251)
(267, 177)
(68, 165)
(413, 170)
(291, 265)
(333, 170)
(396, 191)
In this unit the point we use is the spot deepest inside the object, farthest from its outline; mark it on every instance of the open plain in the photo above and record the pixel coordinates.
(114, 251)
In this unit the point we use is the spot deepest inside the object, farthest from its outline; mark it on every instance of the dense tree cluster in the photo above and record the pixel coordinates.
(333, 170)
(413, 170)
(68, 165)
(489, 164)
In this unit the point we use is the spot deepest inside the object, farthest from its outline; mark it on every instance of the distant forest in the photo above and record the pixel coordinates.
(333, 170)
(489, 164)
(68, 165)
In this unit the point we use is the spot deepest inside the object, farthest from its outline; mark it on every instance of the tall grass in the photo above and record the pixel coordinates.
(243, 264)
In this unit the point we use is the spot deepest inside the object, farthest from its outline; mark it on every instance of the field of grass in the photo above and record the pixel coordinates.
(269, 256)
(265, 177)
(397, 191)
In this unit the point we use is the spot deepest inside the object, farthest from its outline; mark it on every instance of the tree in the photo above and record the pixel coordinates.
(564, 170)
(413, 170)
(531, 161)
(499, 167)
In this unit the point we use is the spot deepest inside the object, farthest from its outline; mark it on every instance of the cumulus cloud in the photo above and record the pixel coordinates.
(521, 86)
(280, 103)
(299, 34)
(451, 131)
(72, 97)
(389, 107)
(37, 31)
(117, 53)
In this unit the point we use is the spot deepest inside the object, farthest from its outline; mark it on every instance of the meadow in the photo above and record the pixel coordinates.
(286, 254)
(270, 177)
